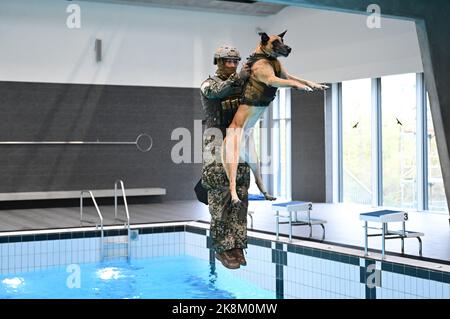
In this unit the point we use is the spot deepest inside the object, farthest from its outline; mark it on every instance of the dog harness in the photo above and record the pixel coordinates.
(255, 92)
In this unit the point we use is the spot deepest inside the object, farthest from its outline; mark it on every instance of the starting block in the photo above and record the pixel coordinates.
(289, 211)
(385, 217)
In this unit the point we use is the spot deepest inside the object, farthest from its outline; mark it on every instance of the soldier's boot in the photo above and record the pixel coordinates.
(238, 253)
(228, 260)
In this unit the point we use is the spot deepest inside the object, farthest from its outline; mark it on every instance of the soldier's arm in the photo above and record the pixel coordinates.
(212, 89)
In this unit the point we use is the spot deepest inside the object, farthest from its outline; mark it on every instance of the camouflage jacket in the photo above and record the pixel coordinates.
(220, 99)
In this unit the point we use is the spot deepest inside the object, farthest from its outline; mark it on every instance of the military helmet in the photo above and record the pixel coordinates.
(226, 52)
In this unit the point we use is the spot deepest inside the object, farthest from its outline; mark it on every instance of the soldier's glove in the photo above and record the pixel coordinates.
(235, 80)
(244, 74)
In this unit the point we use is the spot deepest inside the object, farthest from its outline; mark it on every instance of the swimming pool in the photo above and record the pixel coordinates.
(175, 260)
(184, 277)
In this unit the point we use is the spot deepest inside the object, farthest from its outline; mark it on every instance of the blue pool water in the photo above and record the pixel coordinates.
(163, 277)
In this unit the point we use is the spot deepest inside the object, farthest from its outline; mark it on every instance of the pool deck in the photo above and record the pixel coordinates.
(343, 225)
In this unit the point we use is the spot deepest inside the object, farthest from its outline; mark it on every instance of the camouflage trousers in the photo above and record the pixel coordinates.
(228, 222)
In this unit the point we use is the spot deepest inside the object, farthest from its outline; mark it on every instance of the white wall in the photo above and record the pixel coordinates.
(142, 45)
(163, 47)
(334, 46)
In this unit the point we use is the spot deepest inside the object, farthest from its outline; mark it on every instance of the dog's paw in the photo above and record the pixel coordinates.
(322, 87)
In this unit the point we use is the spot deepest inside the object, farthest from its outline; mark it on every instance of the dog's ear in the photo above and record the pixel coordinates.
(281, 35)
(264, 38)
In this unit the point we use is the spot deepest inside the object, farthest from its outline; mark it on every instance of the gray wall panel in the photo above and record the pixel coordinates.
(63, 112)
(308, 146)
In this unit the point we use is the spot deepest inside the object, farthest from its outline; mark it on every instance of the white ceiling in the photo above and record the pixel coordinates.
(242, 7)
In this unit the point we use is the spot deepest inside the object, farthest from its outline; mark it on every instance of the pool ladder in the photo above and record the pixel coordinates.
(100, 216)
(123, 242)
(112, 244)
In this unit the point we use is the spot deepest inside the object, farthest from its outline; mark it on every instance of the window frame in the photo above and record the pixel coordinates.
(422, 151)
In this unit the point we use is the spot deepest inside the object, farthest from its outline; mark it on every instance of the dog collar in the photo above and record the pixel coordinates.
(266, 54)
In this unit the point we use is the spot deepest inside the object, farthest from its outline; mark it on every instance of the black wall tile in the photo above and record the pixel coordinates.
(15, 239)
(55, 236)
(422, 273)
(40, 237)
(196, 230)
(446, 278)
(436, 276)
(65, 236)
(410, 271)
(398, 269)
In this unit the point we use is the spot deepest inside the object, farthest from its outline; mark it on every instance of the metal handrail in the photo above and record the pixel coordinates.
(138, 142)
(96, 207)
(126, 211)
(124, 201)
(99, 215)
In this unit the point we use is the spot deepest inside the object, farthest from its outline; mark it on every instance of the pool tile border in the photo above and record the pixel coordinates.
(279, 253)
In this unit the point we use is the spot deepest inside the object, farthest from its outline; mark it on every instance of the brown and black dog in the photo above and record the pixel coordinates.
(266, 76)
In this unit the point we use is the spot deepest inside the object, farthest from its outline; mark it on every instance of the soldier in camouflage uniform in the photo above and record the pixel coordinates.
(220, 96)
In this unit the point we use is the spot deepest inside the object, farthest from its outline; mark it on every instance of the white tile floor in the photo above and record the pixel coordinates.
(343, 227)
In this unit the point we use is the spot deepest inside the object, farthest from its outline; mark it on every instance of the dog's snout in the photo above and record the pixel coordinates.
(289, 49)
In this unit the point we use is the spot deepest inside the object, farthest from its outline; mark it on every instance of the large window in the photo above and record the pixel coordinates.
(388, 147)
(273, 143)
(436, 193)
(281, 143)
(356, 140)
(398, 104)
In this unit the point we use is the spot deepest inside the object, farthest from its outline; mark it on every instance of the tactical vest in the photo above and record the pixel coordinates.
(257, 93)
(227, 109)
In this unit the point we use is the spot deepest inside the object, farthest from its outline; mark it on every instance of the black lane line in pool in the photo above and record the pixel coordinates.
(365, 277)
(279, 258)
(209, 242)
